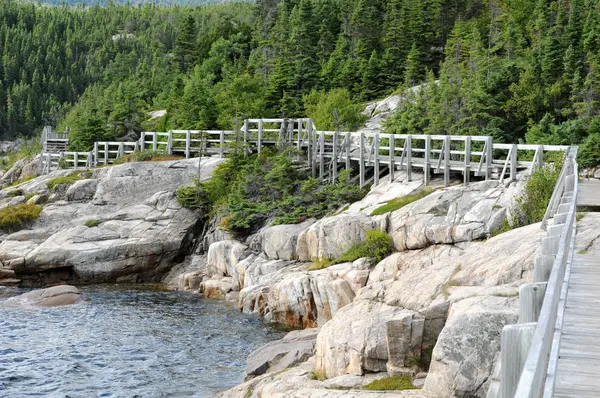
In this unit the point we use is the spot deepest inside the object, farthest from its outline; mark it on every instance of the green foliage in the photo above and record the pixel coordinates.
(28, 150)
(390, 383)
(247, 191)
(68, 180)
(333, 110)
(92, 223)
(532, 204)
(589, 152)
(145, 156)
(400, 202)
(13, 218)
(376, 247)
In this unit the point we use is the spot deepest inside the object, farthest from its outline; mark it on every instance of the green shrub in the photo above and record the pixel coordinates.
(68, 179)
(92, 223)
(402, 201)
(589, 152)
(146, 156)
(531, 205)
(376, 247)
(13, 218)
(334, 110)
(22, 180)
(247, 191)
(16, 192)
(390, 383)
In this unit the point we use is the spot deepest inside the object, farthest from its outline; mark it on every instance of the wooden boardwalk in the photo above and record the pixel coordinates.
(588, 194)
(578, 368)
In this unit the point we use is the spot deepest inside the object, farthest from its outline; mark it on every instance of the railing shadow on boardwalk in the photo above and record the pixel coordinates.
(371, 155)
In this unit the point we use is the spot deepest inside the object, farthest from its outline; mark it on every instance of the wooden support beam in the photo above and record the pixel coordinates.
(531, 297)
(188, 143)
(75, 159)
(513, 163)
(312, 137)
(426, 167)
(409, 158)
(488, 158)
(143, 141)
(376, 159)
(467, 169)
(541, 156)
(446, 160)
(299, 143)
(348, 145)
(121, 150)
(335, 158)
(106, 152)
(260, 133)
(90, 160)
(392, 156)
(170, 142)
(515, 343)
(361, 161)
(155, 142)
(322, 156)
(96, 153)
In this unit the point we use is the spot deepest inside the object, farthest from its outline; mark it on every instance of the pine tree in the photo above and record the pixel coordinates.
(185, 46)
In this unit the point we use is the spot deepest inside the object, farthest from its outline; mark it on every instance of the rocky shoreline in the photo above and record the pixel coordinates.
(432, 311)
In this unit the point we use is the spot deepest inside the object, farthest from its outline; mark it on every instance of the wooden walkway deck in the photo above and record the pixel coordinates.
(578, 368)
(588, 194)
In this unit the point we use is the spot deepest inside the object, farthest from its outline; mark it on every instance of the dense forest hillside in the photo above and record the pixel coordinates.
(515, 69)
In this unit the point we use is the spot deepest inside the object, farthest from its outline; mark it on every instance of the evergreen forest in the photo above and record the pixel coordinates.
(520, 70)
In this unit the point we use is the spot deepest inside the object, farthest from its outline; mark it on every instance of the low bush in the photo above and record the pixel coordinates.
(13, 218)
(391, 383)
(245, 192)
(92, 223)
(68, 179)
(377, 246)
(402, 201)
(145, 156)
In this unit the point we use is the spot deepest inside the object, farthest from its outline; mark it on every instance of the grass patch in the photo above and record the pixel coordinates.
(29, 196)
(22, 180)
(390, 383)
(514, 294)
(376, 246)
(13, 218)
(16, 192)
(451, 282)
(584, 251)
(68, 179)
(504, 227)
(317, 375)
(579, 216)
(146, 156)
(92, 223)
(402, 201)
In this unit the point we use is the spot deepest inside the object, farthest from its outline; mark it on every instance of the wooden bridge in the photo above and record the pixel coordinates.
(370, 155)
(552, 351)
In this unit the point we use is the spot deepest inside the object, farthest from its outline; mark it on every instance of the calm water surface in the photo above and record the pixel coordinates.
(126, 342)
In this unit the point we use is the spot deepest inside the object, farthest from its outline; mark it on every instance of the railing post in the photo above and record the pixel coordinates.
(348, 145)
(260, 133)
(155, 141)
(90, 160)
(106, 153)
(361, 161)
(221, 144)
(299, 143)
(447, 160)
(427, 160)
(467, 169)
(170, 143)
(376, 159)
(188, 143)
(313, 145)
(121, 150)
(75, 160)
(392, 151)
(49, 162)
(334, 160)
(322, 156)
(143, 141)
(409, 158)
(96, 154)
(531, 297)
(488, 158)
(245, 130)
(513, 163)
(516, 340)
(541, 156)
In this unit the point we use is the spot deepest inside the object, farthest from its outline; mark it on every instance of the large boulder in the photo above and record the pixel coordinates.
(279, 241)
(355, 340)
(464, 355)
(223, 257)
(453, 215)
(332, 236)
(295, 347)
(141, 229)
(51, 297)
